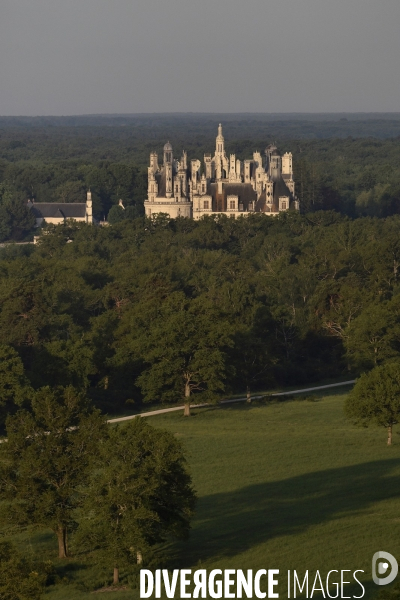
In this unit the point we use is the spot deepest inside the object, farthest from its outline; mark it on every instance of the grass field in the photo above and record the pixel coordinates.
(288, 485)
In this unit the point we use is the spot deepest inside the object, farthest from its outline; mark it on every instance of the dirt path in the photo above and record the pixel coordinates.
(162, 411)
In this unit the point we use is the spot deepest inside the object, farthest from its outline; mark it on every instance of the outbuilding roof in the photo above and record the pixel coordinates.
(58, 210)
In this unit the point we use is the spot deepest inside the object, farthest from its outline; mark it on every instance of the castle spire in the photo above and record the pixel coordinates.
(220, 142)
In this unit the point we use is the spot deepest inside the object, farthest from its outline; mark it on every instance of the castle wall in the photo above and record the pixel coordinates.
(174, 210)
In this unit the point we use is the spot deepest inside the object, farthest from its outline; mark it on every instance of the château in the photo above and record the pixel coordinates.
(222, 185)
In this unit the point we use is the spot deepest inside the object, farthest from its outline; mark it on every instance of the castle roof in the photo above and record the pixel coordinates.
(280, 189)
(244, 191)
(58, 210)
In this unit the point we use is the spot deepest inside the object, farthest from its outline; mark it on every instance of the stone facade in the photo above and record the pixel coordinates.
(224, 185)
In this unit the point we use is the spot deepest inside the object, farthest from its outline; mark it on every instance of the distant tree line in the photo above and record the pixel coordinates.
(56, 161)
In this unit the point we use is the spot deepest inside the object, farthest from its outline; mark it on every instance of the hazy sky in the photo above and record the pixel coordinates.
(64, 57)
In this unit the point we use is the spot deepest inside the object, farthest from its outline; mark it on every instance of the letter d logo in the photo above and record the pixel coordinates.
(383, 567)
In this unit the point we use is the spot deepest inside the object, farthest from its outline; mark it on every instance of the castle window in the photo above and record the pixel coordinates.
(283, 205)
(232, 204)
(203, 188)
(206, 204)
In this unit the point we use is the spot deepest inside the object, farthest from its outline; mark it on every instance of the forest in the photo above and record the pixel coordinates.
(162, 310)
(346, 163)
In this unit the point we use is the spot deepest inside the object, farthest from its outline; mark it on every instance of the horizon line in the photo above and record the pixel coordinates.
(175, 113)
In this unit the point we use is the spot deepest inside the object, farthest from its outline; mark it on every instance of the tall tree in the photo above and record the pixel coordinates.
(376, 398)
(140, 495)
(374, 335)
(184, 350)
(47, 460)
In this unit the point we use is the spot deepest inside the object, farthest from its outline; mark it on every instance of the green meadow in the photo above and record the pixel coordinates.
(282, 485)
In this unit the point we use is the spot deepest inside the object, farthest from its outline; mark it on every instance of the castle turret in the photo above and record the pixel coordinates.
(195, 175)
(287, 168)
(178, 189)
(89, 208)
(168, 154)
(208, 166)
(275, 166)
(168, 167)
(184, 160)
(154, 162)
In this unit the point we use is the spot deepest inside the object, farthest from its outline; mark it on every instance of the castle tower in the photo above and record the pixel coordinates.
(232, 168)
(154, 162)
(220, 143)
(178, 189)
(220, 160)
(287, 164)
(184, 161)
(168, 154)
(195, 166)
(208, 166)
(168, 163)
(89, 208)
(152, 188)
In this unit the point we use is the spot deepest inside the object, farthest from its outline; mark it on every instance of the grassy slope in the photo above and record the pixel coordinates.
(289, 485)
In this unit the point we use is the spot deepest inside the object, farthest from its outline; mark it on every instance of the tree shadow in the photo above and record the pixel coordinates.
(230, 523)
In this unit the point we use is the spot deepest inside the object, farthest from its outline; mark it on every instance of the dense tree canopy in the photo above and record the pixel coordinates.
(14, 385)
(135, 311)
